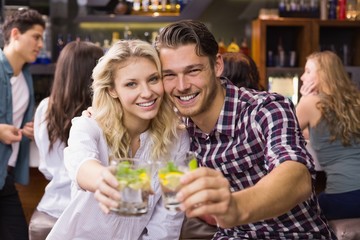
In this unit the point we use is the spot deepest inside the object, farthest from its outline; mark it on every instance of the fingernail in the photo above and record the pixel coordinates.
(182, 207)
(183, 178)
(179, 196)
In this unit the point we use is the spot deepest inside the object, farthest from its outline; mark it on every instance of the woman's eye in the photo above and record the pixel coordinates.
(154, 79)
(130, 84)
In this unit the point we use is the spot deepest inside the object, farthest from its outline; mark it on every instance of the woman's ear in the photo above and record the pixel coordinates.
(113, 93)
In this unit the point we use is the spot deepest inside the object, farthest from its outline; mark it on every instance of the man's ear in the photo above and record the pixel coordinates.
(219, 65)
(15, 33)
(112, 93)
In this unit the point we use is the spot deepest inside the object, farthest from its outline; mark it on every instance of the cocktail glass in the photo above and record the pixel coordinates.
(169, 174)
(134, 177)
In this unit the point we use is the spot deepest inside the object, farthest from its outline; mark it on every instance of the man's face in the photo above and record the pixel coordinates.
(189, 79)
(28, 44)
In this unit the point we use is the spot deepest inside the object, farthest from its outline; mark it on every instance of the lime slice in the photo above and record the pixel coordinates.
(122, 183)
(145, 180)
(193, 164)
(172, 180)
(136, 185)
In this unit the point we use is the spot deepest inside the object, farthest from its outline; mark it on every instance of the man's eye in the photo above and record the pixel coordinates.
(194, 71)
(168, 76)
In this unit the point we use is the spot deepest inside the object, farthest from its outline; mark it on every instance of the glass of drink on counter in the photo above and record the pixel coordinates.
(169, 175)
(134, 177)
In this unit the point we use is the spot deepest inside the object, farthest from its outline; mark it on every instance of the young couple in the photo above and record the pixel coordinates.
(256, 179)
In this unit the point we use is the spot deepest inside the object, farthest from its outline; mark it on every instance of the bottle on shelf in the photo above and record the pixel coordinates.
(163, 5)
(342, 9)
(233, 46)
(282, 7)
(314, 6)
(106, 45)
(270, 59)
(115, 37)
(346, 55)
(281, 53)
(127, 33)
(136, 5)
(244, 47)
(68, 38)
(351, 11)
(173, 5)
(323, 10)
(332, 9)
(147, 36)
(182, 4)
(154, 5)
(44, 56)
(60, 43)
(222, 47)
(145, 5)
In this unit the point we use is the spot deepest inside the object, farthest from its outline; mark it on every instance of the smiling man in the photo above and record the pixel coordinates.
(257, 177)
(23, 39)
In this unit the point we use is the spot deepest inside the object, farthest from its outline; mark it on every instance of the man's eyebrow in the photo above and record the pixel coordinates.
(199, 65)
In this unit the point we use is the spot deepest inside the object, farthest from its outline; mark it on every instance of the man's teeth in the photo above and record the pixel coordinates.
(146, 104)
(187, 98)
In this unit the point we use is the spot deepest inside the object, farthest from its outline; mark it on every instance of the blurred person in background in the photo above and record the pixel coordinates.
(70, 94)
(241, 70)
(23, 39)
(330, 110)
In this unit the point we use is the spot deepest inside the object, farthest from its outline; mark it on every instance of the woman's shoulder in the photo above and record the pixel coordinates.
(309, 101)
(40, 111)
(43, 105)
(84, 123)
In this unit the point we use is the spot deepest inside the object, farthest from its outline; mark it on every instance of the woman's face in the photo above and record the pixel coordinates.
(140, 90)
(310, 75)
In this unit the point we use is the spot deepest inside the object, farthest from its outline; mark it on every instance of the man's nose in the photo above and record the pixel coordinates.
(183, 84)
(41, 43)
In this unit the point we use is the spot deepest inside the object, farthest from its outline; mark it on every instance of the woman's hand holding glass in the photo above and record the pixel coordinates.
(129, 193)
(107, 192)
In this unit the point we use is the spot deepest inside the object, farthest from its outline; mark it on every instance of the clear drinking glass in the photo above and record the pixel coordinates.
(169, 174)
(134, 176)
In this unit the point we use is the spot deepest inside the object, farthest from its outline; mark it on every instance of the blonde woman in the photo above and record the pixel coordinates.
(131, 117)
(331, 112)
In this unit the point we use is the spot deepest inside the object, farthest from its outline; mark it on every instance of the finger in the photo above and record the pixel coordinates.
(108, 176)
(29, 124)
(16, 137)
(85, 113)
(109, 191)
(201, 179)
(104, 208)
(199, 173)
(105, 202)
(207, 196)
(28, 133)
(216, 209)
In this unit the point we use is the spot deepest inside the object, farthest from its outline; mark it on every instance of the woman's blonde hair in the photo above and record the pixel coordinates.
(108, 111)
(339, 98)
